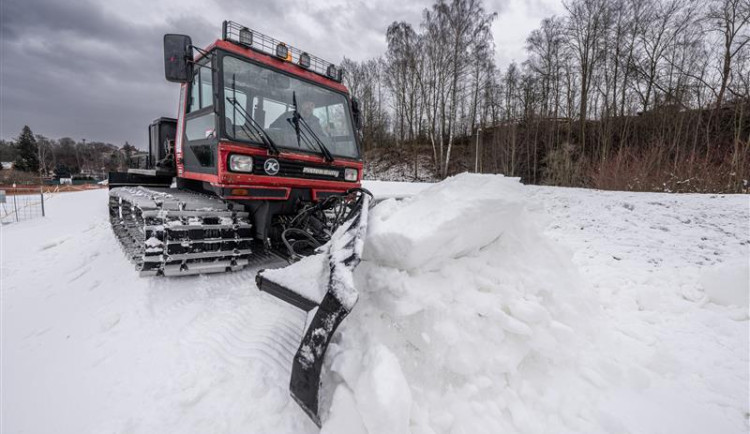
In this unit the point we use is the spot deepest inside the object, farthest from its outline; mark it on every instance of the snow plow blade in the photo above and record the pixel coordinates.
(324, 281)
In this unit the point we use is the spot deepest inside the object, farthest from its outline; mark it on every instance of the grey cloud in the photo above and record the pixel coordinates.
(62, 20)
(70, 68)
(74, 68)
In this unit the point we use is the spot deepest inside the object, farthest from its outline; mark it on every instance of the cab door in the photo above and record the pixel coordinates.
(200, 138)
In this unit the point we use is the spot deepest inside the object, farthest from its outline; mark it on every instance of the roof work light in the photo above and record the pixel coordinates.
(246, 36)
(282, 51)
(304, 60)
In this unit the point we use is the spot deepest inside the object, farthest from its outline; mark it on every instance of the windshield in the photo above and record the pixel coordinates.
(268, 97)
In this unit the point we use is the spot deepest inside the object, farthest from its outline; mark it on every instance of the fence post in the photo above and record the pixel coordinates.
(15, 206)
(41, 193)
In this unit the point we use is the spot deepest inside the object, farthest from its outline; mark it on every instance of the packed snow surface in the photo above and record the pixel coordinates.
(485, 306)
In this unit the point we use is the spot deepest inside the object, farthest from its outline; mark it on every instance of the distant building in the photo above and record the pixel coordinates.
(7, 164)
(138, 159)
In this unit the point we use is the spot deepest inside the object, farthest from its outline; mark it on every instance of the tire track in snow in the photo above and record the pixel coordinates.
(232, 322)
(260, 330)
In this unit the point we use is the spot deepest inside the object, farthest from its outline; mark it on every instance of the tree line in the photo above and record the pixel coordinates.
(627, 94)
(65, 157)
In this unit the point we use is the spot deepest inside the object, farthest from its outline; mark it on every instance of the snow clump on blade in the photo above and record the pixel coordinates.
(469, 316)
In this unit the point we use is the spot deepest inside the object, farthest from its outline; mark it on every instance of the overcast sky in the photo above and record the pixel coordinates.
(94, 70)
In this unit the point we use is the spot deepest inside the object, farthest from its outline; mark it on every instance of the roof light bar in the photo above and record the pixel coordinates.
(257, 41)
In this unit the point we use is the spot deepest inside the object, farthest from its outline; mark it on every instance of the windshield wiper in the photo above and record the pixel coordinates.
(252, 134)
(297, 121)
(265, 138)
(258, 128)
(306, 140)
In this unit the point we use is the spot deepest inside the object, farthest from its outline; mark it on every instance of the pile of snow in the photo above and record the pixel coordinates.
(467, 314)
(728, 284)
(447, 221)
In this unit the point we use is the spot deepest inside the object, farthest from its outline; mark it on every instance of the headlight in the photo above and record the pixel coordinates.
(350, 174)
(240, 163)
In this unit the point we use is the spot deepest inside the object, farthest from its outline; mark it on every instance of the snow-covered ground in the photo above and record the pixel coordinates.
(486, 306)
(22, 207)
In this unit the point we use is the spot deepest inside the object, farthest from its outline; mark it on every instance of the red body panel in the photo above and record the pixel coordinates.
(180, 135)
(226, 179)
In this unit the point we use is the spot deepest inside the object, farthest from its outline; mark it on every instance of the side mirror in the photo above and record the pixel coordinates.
(178, 58)
(357, 114)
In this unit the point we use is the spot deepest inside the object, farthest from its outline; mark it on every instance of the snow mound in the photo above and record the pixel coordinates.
(381, 390)
(728, 284)
(467, 314)
(447, 220)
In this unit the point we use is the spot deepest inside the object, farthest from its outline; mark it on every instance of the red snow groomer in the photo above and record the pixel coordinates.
(262, 162)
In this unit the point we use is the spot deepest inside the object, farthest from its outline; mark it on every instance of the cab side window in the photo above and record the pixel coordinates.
(201, 93)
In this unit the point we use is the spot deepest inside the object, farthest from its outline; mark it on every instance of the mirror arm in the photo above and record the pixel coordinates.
(205, 54)
(199, 50)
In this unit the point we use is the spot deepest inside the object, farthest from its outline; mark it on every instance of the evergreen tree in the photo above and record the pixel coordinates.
(62, 171)
(129, 150)
(27, 159)
(7, 151)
